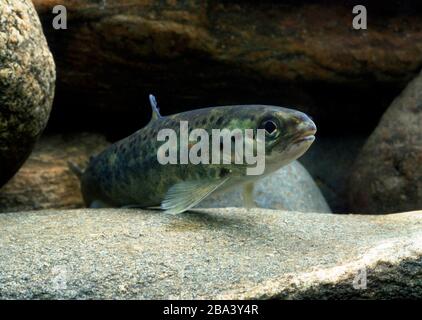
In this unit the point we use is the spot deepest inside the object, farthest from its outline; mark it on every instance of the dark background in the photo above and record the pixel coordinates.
(190, 54)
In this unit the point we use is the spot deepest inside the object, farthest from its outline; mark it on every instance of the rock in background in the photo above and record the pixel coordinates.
(330, 161)
(45, 180)
(205, 53)
(290, 188)
(27, 78)
(387, 176)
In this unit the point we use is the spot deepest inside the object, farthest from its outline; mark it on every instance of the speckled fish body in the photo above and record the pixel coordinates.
(129, 174)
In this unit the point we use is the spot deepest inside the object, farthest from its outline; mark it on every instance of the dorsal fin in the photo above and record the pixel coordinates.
(154, 107)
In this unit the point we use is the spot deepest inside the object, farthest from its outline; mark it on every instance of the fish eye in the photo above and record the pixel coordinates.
(270, 127)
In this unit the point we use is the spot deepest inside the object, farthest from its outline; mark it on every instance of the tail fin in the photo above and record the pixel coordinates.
(75, 169)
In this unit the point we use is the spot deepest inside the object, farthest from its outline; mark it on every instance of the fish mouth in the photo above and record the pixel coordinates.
(308, 138)
(306, 132)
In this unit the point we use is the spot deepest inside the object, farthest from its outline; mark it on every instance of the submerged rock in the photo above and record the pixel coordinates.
(387, 175)
(209, 254)
(290, 188)
(27, 77)
(45, 180)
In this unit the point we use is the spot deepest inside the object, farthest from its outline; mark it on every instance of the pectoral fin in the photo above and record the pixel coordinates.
(186, 194)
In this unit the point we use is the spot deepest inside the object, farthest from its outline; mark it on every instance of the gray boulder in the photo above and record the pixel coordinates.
(27, 78)
(209, 254)
(290, 188)
(387, 176)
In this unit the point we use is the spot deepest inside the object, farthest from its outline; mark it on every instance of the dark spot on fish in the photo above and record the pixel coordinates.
(211, 172)
(219, 121)
(224, 172)
(212, 118)
(203, 122)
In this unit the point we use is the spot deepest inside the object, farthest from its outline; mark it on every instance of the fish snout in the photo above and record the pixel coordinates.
(306, 128)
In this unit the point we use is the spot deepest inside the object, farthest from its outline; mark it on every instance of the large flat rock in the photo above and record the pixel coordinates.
(214, 253)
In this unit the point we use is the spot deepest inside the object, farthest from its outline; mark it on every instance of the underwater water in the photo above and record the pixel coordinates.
(76, 79)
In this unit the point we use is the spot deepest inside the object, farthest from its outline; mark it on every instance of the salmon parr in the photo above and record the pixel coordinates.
(130, 173)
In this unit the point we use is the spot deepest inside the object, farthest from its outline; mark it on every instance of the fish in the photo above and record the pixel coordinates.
(128, 174)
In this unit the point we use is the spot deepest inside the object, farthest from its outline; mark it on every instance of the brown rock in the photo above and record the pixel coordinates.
(27, 77)
(45, 180)
(387, 176)
(196, 53)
